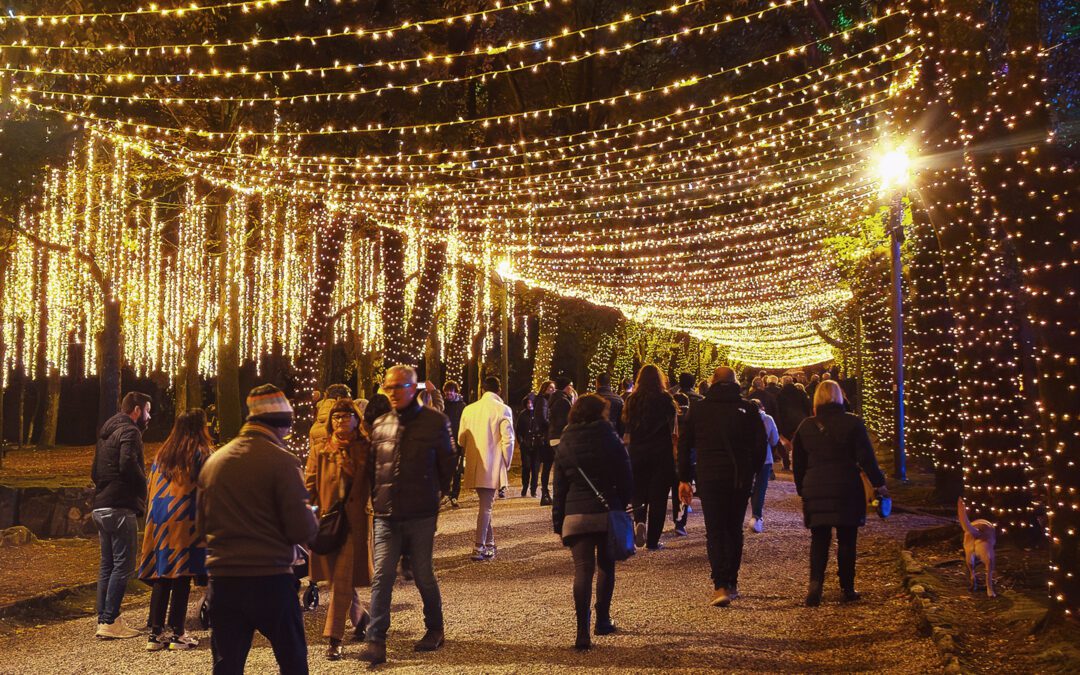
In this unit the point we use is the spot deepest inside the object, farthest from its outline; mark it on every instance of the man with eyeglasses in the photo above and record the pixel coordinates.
(413, 465)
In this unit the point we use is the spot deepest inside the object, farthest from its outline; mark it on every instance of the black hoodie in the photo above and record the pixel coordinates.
(119, 471)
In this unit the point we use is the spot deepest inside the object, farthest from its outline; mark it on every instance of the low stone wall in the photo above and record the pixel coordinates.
(48, 512)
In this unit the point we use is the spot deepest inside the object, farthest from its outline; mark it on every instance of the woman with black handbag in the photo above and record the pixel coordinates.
(592, 478)
(337, 480)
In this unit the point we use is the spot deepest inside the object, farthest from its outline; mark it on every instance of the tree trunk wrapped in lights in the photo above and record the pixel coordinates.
(422, 317)
(457, 351)
(313, 338)
(393, 300)
(545, 344)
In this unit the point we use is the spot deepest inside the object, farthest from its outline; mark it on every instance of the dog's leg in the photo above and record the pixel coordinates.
(969, 560)
(990, 579)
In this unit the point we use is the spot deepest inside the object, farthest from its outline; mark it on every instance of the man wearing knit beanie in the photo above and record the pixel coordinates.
(253, 511)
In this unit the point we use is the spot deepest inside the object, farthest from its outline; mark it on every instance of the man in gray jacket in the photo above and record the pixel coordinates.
(253, 510)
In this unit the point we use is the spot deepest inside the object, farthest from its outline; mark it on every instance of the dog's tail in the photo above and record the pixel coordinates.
(961, 513)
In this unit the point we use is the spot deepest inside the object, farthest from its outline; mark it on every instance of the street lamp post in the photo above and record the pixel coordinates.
(896, 236)
(894, 167)
(502, 273)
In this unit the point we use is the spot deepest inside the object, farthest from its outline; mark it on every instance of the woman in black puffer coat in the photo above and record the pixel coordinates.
(589, 442)
(828, 451)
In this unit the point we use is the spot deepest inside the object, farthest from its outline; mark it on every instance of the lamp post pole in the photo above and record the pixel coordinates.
(896, 235)
(504, 336)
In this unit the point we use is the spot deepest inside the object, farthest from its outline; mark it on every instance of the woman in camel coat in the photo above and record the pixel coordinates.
(340, 463)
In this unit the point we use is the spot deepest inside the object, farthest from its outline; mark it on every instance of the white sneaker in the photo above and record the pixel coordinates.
(116, 630)
(759, 525)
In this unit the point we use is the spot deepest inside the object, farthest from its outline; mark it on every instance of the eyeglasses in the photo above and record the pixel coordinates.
(341, 417)
(399, 387)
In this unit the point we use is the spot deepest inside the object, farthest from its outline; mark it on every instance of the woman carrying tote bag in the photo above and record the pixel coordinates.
(590, 452)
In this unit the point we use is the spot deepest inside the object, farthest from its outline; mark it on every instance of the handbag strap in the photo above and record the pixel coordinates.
(600, 497)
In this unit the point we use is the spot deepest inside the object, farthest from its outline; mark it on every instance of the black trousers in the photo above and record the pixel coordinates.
(530, 469)
(676, 505)
(591, 556)
(820, 538)
(169, 595)
(455, 483)
(654, 471)
(724, 508)
(243, 605)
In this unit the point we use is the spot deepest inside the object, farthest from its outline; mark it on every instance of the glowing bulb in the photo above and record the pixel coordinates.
(894, 168)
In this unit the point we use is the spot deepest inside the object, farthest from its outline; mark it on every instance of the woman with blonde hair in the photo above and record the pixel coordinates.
(651, 423)
(338, 469)
(171, 552)
(829, 449)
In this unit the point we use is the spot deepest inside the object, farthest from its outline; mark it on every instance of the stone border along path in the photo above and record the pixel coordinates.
(515, 614)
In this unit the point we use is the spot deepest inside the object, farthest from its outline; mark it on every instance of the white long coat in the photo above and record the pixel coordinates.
(487, 435)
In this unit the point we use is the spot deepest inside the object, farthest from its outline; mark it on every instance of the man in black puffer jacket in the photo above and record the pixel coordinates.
(413, 466)
(728, 435)
(558, 412)
(119, 475)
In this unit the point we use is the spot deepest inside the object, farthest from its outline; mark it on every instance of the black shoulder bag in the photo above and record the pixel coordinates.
(333, 525)
(620, 527)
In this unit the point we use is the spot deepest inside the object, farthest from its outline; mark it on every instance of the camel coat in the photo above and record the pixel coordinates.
(323, 474)
(486, 435)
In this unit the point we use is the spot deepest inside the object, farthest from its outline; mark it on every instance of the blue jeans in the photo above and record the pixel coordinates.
(415, 537)
(117, 530)
(757, 494)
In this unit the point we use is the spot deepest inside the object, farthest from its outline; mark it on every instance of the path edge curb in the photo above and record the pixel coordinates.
(932, 623)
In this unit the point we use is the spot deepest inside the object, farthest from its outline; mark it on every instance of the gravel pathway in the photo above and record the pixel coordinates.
(515, 614)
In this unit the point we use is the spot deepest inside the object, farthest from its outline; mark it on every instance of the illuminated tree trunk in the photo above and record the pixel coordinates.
(457, 351)
(545, 344)
(229, 410)
(393, 300)
(109, 370)
(3, 352)
(422, 316)
(188, 387)
(313, 337)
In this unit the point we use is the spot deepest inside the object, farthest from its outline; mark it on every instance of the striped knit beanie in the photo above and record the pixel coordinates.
(267, 404)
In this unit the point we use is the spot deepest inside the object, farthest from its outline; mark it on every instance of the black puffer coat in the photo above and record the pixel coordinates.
(119, 470)
(728, 435)
(598, 451)
(414, 461)
(826, 467)
(794, 407)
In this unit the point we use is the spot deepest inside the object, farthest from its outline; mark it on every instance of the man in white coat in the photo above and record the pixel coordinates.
(486, 436)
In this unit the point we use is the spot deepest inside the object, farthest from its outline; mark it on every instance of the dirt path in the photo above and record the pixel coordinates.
(515, 614)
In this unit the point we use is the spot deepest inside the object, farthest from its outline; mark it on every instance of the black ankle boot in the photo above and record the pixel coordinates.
(604, 626)
(813, 595)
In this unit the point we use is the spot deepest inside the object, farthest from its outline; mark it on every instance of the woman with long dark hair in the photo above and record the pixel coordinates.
(651, 423)
(338, 468)
(589, 448)
(172, 553)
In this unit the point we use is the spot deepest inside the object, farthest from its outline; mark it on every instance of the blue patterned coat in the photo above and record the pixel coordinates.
(170, 547)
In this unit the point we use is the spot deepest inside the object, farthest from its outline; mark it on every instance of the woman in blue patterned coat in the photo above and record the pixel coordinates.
(172, 553)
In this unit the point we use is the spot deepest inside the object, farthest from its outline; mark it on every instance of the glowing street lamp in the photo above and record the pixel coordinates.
(894, 167)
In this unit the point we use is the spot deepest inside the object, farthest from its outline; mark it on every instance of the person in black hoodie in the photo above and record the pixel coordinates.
(829, 450)
(589, 447)
(729, 437)
(119, 475)
(793, 407)
(558, 411)
(603, 388)
(651, 418)
(453, 406)
(531, 431)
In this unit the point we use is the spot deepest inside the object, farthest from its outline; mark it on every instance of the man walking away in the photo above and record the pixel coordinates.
(487, 438)
(793, 406)
(413, 464)
(119, 475)
(453, 407)
(559, 404)
(729, 436)
(603, 388)
(253, 510)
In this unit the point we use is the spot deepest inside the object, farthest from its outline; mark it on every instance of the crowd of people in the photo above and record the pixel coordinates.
(248, 522)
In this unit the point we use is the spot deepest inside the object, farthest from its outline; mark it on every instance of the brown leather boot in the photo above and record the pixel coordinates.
(432, 640)
(721, 598)
(374, 653)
